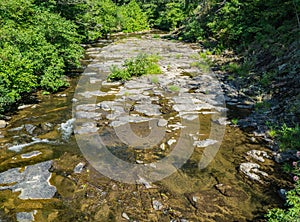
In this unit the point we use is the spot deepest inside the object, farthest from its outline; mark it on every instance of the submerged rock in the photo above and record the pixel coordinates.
(157, 205)
(18, 148)
(33, 182)
(79, 167)
(251, 170)
(25, 216)
(30, 154)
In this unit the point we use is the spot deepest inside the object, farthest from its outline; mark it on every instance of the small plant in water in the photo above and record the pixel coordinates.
(235, 121)
(178, 56)
(174, 88)
(272, 133)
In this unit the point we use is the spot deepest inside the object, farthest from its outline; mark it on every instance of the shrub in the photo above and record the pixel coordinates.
(141, 65)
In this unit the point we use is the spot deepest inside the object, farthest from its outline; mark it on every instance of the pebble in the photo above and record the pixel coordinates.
(124, 215)
(157, 205)
(79, 167)
(3, 124)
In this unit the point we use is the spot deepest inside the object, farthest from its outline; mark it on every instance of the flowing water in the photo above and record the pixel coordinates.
(45, 176)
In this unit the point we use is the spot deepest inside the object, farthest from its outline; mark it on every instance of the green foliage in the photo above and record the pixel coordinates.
(235, 121)
(100, 18)
(132, 18)
(164, 14)
(292, 213)
(141, 65)
(288, 137)
(174, 88)
(36, 48)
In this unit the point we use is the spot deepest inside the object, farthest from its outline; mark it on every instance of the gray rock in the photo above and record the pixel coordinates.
(33, 182)
(157, 205)
(204, 143)
(148, 109)
(251, 170)
(79, 167)
(18, 148)
(162, 123)
(282, 193)
(30, 128)
(86, 128)
(24, 106)
(25, 216)
(88, 115)
(30, 154)
(258, 155)
(67, 129)
(87, 107)
(16, 128)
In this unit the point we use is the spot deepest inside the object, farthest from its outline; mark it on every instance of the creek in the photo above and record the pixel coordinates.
(155, 148)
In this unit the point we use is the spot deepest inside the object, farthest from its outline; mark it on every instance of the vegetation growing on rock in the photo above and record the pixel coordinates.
(143, 64)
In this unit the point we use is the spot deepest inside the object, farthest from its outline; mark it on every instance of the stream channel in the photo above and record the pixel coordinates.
(155, 148)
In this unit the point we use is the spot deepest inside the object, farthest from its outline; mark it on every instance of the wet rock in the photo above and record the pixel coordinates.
(3, 124)
(33, 182)
(31, 154)
(88, 115)
(87, 107)
(124, 215)
(222, 121)
(148, 109)
(251, 170)
(79, 167)
(282, 193)
(157, 205)
(16, 128)
(24, 106)
(258, 155)
(86, 128)
(67, 129)
(162, 123)
(74, 100)
(284, 156)
(25, 216)
(30, 128)
(162, 146)
(204, 143)
(61, 95)
(18, 148)
(122, 120)
(227, 190)
(171, 141)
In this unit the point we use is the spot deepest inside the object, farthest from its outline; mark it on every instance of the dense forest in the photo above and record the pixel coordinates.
(40, 44)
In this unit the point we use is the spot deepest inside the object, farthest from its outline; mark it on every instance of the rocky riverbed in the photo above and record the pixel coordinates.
(154, 148)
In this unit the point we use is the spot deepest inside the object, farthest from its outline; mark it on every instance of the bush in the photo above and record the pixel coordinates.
(141, 65)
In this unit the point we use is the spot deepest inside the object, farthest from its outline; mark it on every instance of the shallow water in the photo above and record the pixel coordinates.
(218, 192)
